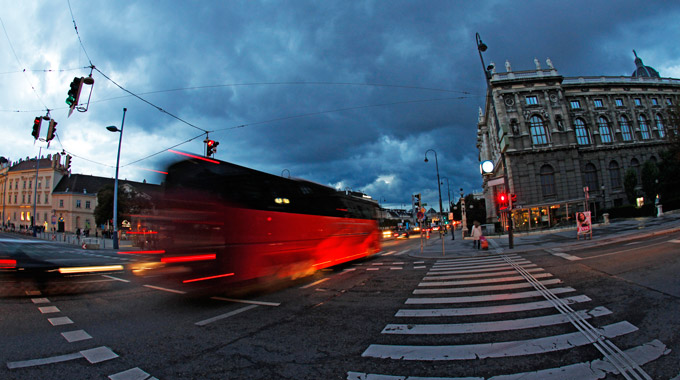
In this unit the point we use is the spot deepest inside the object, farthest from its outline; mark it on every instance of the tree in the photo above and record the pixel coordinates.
(669, 167)
(650, 180)
(629, 184)
(130, 201)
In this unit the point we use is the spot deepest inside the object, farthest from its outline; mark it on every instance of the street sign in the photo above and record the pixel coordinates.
(54, 219)
(421, 216)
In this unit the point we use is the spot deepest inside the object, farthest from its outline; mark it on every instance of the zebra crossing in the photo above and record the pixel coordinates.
(470, 299)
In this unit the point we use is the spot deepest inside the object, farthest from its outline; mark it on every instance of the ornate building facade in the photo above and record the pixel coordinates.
(567, 141)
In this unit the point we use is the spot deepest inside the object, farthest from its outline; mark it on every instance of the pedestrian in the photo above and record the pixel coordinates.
(476, 234)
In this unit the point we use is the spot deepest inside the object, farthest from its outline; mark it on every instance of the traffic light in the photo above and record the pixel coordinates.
(503, 201)
(36, 127)
(513, 199)
(51, 130)
(417, 200)
(74, 93)
(212, 147)
(67, 164)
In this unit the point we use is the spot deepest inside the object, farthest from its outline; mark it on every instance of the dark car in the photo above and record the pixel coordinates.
(401, 234)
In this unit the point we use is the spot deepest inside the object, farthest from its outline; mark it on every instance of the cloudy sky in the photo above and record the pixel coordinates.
(345, 93)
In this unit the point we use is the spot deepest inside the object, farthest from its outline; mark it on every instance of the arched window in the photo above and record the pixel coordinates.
(615, 175)
(659, 126)
(644, 127)
(582, 137)
(605, 131)
(625, 129)
(635, 165)
(538, 135)
(590, 176)
(548, 180)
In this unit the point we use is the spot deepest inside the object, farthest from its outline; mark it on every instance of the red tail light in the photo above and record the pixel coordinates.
(8, 263)
(186, 259)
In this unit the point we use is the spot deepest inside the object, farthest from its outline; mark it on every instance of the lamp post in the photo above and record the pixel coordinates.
(113, 128)
(481, 47)
(463, 217)
(436, 162)
(448, 190)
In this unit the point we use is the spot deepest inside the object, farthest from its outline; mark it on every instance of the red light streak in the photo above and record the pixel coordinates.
(8, 263)
(208, 278)
(184, 259)
(142, 232)
(158, 252)
(194, 156)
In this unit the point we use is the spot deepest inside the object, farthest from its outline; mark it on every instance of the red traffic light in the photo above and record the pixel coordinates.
(503, 198)
(211, 143)
(36, 127)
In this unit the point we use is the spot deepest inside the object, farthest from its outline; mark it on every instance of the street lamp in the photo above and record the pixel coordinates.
(113, 128)
(481, 47)
(463, 217)
(436, 162)
(448, 190)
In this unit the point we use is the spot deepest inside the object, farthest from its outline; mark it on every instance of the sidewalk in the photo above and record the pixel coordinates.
(561, 240)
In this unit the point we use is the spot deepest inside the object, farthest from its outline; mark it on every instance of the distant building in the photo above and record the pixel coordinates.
(561, 135)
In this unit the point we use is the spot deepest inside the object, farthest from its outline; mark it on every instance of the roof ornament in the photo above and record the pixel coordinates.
(537, 63)
(508, 68)
(550, 64)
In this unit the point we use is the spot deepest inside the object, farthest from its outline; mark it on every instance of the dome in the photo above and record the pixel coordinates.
(642, 70)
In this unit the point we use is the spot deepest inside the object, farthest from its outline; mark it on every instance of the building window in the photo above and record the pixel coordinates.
(581, 132)
(77, 203)
(644, 127)
(638, 101)
(625, 129)
(669, 101)
(30, 184)
(87, 204)
(575, 104)
(61, 203)
(619, 102)
(655, 101)
(37, 198)
(598, 103)
(47, 198)
(10, 185)
(548, 180)
(15, 199)
(605, 131)
(532, 100)
(538, 135)
(591, 177)
(24, 184)
(659, 126)
(23, 198)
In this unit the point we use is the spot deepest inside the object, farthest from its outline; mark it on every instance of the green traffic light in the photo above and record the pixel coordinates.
(70, 100)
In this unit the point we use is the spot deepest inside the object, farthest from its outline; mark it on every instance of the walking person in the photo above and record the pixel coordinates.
(476, 234)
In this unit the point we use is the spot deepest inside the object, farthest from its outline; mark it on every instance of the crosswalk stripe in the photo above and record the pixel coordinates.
(494, 350)
(481, 281)
(484, 327)
(484, 298)
(487, 288)
(483, 310)
(477, 270)
(476, 265)
(476, 259)
(477, 275)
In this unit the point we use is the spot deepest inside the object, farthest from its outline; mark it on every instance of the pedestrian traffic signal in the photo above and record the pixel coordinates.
(74, 93)
(212, 147)
(36, 127)
(51, 130)
(513, 198)
(502, 201)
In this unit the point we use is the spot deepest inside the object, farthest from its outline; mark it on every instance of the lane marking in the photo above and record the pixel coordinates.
(389, 253)
(563, 255)
(477, 267)
(165, 289)
(225, 315)
(594, 370)
(494, 350)
(49, 309)
(482, 270)
(40, 300)
(488, 288)
(485, 298)
(492, 274)
(402, 252)
(372, 268)
(481, 281)
(60, 321)
(95, 355)
(315, 283)
(260, 303)
(76, 336)
(115, 278)
(674, 241)
(396, 268)
(420, 267)
(484, 310)
(131, 374)
(484, 327)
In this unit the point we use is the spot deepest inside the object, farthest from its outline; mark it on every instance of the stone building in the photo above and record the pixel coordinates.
(567, 141)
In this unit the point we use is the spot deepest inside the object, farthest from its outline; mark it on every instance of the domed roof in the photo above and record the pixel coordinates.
(642, 70)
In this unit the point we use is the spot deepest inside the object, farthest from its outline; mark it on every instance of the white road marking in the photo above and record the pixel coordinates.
(484, 327)
(469, 260)
(494, 350)
(49, 309)
(93, 356)
(75, 336)
(60, 321)
(420, 267)
(314, 283)
(372, 268)
(402, 252)
(131, 374)
(225, 315)
(40, 300)
(115, 278)
(33, 292)
(477, 275)
(260, 303)
(594, 370)
(389, 253)
(481, 281)
(455, 312)
(165, 289)
(477, 268)
(674, 241)
(418, 262)
(481, 271)
(485, 298)
(488, 288)
(476, 265)
(396, 268)
(563, 255)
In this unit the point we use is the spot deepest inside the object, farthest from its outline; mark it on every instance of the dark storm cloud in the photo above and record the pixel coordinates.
(348, 93)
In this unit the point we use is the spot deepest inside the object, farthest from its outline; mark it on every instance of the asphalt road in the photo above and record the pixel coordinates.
(387, 317)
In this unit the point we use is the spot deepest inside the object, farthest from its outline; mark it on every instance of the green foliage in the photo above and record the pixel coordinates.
(129, 202)
(629, 184)
(650, 178)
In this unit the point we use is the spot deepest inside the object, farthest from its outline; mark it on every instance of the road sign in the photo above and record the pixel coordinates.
(421, 216)
(54, 219)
